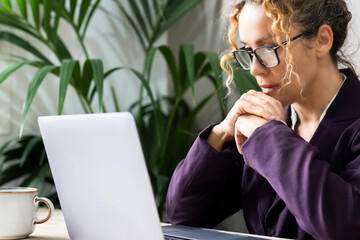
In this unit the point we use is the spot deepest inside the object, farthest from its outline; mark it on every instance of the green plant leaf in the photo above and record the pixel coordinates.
(86, 79)
(111, 71)
(28, 148)
(7, 4)
(149, 59)
(199, 61)
(176, 12)
(115, 99)
(162, 183)
(42, 156)
(106, 74)
(13, 172)
(66, 72)
(182, 70)
(35, 12)
(244, 81)
(73, 4)
(31, 91)
(171, 62)
(215, 65)
(22, 7)
(60, 5)
(98, 71)
(94, 7)
(44, 170)
(5, 148)
(139, 17)
(47, 17)
(191, 116)
(27, 181)
(38, 64)
(83, 10)
(133, 25)
(6, 72)
(20, 42)
(169, 126)
(155, 105)
(157, 8)
(14, 21)
(204, 70)
(76, 76)
(188, 54)
(62, 50)
(145, 6)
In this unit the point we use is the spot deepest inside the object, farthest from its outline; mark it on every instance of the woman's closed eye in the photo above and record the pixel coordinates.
(247, 49)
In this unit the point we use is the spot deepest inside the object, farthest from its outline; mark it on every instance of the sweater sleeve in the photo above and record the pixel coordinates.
(325, 204)
(205, 186)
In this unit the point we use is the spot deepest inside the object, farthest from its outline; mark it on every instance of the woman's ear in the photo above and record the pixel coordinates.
(324, 40)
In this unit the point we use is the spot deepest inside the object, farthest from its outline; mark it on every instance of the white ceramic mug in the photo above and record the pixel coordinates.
(18, 211)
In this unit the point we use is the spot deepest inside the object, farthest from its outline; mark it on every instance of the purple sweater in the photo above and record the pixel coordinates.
(286, 186)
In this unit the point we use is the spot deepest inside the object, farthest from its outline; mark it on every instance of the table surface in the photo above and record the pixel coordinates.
(55, 228)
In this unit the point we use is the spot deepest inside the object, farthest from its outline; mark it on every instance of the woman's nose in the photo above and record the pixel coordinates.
(257, 68)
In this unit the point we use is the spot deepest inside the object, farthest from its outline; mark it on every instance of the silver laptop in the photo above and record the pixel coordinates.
(102, 181)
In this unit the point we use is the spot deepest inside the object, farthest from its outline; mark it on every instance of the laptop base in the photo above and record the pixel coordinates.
(179, 232)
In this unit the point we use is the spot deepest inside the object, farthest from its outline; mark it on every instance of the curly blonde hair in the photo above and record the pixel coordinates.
(307, 16)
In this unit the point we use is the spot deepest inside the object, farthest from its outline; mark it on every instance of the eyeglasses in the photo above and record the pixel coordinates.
(266, 55)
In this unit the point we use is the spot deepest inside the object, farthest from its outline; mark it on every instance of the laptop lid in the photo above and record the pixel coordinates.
(100, 176)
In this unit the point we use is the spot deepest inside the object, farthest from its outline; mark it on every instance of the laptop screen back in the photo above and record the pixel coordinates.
(100, 176)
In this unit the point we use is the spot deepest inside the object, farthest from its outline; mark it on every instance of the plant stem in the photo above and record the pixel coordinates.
(85, 105)
(142, 92)
(76, 30)
(157, 26)
(167, 133)
(42, 39)
(81, 41)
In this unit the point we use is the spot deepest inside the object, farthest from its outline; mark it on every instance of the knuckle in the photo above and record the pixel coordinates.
(243, 96)
(238, 102)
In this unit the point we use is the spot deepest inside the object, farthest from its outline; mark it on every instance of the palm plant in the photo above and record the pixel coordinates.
(44, 29)
(26, 157)
(163, 121)
(39, 20)
(164, 124)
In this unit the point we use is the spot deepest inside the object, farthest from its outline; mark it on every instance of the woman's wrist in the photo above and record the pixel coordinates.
(217, 138)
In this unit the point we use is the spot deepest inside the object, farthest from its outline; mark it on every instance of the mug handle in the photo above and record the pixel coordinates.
(50, 207)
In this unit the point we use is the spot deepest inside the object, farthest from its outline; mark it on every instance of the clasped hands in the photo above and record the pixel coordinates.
(251, 110)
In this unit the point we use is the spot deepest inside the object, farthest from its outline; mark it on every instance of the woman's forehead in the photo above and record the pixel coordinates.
(254, 25)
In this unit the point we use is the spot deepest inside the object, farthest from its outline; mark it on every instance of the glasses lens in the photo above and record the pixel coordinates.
(243, 58)
(267, 56)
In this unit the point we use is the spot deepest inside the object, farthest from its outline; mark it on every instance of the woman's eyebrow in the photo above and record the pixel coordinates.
(259, 41)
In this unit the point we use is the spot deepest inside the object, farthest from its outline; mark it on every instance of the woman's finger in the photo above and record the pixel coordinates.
(261, 105)
(239, 139)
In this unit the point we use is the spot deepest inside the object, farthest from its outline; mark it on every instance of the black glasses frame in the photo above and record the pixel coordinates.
(253, 52)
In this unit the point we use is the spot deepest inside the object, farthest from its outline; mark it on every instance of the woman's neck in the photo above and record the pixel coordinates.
(316, 98)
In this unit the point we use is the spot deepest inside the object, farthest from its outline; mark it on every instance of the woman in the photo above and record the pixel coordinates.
(295, 171)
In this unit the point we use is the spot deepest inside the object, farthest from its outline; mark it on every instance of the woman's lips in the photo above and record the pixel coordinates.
(267, 89)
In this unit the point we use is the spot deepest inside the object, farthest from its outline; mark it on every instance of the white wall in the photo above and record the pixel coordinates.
(352, 43)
